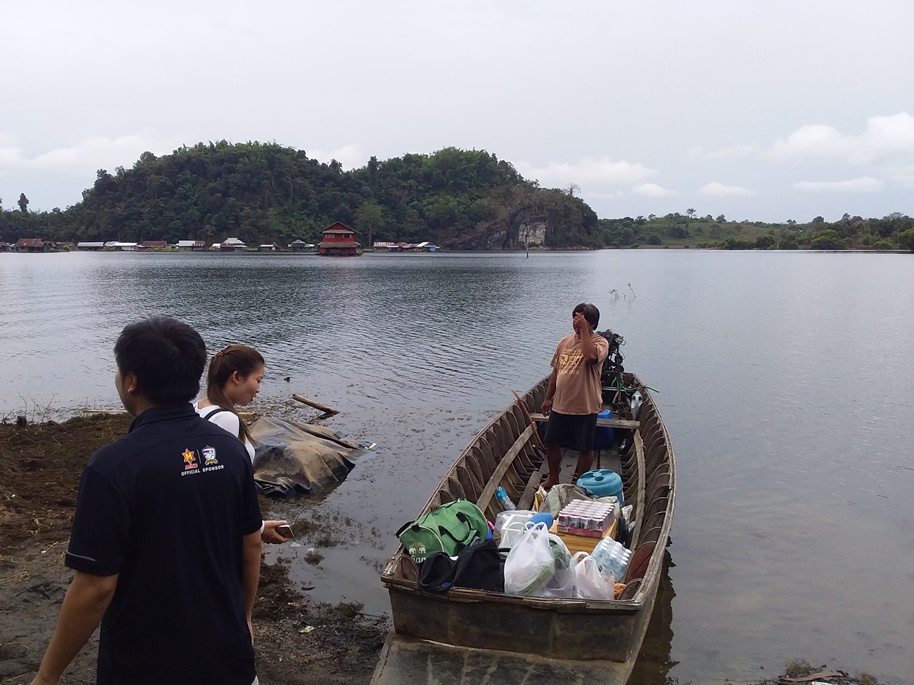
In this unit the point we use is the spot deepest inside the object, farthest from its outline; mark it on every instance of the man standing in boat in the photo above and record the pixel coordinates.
(574, 396)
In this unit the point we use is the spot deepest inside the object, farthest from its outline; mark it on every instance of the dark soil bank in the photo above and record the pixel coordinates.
(298, 640)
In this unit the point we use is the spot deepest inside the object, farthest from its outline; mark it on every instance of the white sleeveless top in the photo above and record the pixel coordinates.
(227, 420)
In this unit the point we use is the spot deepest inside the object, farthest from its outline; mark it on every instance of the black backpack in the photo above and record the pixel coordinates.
(611, 377)
(612, 367)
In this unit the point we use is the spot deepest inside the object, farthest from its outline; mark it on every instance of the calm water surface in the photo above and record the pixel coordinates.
(785, 380)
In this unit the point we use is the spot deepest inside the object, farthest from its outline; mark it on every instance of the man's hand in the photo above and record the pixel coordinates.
(273, 534)
(40, 679)
(579, 323)
(547, 404)
(82, 609)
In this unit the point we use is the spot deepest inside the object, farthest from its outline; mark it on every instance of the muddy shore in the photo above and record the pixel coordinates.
(298, 639)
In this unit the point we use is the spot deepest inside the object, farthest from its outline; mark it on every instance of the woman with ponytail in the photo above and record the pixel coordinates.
(233, 380)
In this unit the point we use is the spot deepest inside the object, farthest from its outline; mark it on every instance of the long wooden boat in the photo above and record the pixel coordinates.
(470, 636)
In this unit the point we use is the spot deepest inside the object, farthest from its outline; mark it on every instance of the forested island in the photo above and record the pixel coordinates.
(458, 199)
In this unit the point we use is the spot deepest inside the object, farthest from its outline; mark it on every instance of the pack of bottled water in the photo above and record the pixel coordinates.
(612, 557)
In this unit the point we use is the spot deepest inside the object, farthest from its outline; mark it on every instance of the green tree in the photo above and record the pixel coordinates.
(23, 203)
(828, 239)
(906, 239)
(368, 219)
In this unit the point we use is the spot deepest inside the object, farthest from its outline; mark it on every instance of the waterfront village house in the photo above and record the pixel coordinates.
(90, 246)
(4, 247)
(191, 245)
(121, 247)
(32, 245)
(339, 241)
(405, 247)
(300, 246)
(147, 244)
(267, 247)
(232, 245)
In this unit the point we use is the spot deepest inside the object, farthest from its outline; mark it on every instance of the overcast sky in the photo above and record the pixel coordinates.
(756, 109)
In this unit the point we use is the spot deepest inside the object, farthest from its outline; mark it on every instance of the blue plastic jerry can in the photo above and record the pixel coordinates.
(603, 435)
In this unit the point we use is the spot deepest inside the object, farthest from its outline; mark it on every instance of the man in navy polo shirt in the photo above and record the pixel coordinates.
(166, 536)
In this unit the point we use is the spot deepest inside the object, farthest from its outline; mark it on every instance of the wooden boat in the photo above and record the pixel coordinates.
(467, 636)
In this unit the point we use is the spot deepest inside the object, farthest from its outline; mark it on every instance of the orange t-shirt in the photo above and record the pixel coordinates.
(577, 385)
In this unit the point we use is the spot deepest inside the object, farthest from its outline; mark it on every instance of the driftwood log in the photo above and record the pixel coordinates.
(317, 405)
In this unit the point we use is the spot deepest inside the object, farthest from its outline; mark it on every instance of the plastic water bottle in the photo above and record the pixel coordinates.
(612, 557)
(503, 499)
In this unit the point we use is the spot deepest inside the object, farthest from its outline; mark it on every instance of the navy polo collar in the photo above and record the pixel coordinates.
(168, 412)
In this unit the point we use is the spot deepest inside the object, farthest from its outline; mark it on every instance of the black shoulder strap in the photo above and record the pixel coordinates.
(215, 411)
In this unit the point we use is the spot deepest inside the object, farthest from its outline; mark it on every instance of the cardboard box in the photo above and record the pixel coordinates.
(582, 543)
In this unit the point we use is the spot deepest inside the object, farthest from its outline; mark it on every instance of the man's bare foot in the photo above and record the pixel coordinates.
(548, 483)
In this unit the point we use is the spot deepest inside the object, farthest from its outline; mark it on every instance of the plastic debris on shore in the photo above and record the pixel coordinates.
(300, 459)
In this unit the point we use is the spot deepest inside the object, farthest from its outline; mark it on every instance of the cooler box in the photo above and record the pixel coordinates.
(603, 483)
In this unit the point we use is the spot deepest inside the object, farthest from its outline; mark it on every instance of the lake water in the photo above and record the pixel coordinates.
(785, 380)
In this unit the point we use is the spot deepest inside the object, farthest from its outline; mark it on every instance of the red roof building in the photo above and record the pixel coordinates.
(338, 240)
(32, 245)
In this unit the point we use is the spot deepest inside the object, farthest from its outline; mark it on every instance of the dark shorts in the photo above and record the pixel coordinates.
(573, 431)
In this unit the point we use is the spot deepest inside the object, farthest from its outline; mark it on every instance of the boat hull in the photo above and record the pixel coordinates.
(535, 631)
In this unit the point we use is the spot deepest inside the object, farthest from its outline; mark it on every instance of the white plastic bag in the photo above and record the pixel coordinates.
(561, 584)
(530, 563)
(589, 583)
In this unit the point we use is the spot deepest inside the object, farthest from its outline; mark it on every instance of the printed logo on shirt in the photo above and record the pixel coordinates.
(570, 362)
(192, 465)
(209, 456)
(190, 460)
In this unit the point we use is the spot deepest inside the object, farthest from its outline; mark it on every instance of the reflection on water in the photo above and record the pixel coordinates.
(784, 379)
(654, 661)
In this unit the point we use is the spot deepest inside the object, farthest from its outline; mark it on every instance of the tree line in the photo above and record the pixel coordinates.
(264, 192)
(459, 199)
(891, 232)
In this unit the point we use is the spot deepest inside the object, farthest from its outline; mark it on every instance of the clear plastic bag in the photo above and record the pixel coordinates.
(510, 525)
(589, 582)
(530, 563)
(560, 585)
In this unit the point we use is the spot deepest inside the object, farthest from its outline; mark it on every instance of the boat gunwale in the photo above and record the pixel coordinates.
(649, 580)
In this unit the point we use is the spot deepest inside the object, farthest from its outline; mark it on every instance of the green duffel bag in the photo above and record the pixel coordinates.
(449, 528)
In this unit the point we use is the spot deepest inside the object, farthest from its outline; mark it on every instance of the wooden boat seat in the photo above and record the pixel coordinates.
(608, 423)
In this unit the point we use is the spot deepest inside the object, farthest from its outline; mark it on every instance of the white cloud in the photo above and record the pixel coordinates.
(901, 175)
(719, 189)
(865, 184)
(652, 190)
(350, 156)
(88, 155)
(884, 136)
(734, 152)
(602, 171)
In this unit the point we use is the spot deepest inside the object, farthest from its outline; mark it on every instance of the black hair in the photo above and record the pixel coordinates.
(167, 357)
(590, 312)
